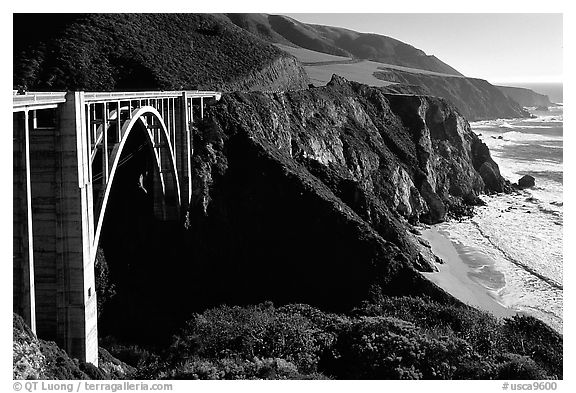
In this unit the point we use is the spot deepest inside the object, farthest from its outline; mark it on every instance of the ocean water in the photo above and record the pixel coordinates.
(521, 233)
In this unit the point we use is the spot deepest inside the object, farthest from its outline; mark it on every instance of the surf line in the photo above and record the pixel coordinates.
(528, 269)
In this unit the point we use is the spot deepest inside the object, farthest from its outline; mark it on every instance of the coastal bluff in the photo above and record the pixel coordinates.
(475, 98)
(525, 97)
(309, 195)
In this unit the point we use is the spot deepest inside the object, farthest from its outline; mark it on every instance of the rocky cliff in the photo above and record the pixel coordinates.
(525, 97)
(282, 74)
(307, 195)
(476, 99)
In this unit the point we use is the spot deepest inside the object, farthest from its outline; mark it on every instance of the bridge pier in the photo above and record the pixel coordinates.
(63, 218)
(23, 292)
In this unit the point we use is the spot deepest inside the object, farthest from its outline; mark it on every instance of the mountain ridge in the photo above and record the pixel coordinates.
(338, 41)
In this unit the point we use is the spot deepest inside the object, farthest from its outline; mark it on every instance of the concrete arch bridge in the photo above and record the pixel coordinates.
(67, 150)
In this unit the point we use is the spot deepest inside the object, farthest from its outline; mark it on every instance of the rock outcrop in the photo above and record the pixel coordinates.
(476, 99)
(40, 359)
(284, 73)
(526, 181)
(307, 195)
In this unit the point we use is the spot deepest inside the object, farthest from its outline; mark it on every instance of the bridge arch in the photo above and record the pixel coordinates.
(166, 174)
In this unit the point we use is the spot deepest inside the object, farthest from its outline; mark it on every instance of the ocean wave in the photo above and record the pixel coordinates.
(526, 136)
(514, 259)
(551, 118)
(543, 125)
(555, 118)
(521, 225)
(552, 212)
(525, 248)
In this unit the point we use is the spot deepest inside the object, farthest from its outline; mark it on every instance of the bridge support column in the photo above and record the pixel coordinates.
(77, 311)
(23, 263)
(62, 196)
(184, 151)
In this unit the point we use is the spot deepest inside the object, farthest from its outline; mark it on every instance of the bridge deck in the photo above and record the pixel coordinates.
(46, 100)
(37, 100)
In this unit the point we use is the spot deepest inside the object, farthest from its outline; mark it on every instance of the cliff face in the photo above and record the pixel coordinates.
(305, 195)
(476, 99)
(102, 52)
(284, 73)
(525, 97)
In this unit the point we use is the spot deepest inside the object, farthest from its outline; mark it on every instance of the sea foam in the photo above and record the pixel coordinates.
(522, 232)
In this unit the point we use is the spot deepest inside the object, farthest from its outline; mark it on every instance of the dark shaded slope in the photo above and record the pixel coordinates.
(148, 51)
(338, 41)
(304, 35)
(257, 24)
(304, 196)
(475, 98)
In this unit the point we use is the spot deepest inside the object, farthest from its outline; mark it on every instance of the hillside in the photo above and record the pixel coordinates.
(321, 66)
(525, 97)
(475, 98)
(338, 41)
(147, 51)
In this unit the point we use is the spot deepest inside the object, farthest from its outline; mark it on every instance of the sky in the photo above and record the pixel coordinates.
(497, 47)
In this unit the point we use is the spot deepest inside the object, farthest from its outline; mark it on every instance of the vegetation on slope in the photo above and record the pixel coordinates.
(396, 338)
(138, 51)
(338, 41)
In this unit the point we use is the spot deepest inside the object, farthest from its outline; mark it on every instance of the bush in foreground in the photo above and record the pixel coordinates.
(398, 338)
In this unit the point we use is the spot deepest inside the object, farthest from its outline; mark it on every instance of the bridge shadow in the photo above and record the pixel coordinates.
(136, 281)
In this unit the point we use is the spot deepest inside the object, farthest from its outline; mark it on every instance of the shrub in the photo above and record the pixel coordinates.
(105, 288)
(519, 367)
(525, 335)
(389, 348)
(398, 338)
(480, 329)
(256, 331)
(235, 368)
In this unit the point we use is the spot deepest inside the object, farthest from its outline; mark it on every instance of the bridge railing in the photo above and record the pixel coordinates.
(141, 95)
(45, 100)
(37, 100)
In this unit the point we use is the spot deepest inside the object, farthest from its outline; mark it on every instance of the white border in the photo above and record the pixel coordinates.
(420, 6)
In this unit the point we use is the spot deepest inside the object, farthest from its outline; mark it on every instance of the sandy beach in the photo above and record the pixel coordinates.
(467, 274)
